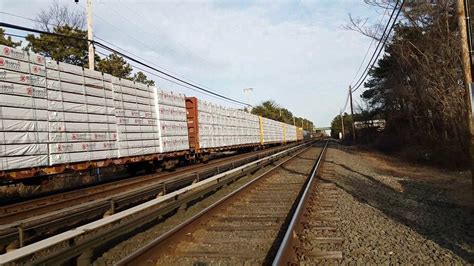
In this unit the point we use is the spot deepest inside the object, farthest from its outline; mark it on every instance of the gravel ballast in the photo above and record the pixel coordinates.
(398, 213)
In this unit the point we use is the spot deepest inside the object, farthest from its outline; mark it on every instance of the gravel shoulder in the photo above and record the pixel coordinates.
(400, 213)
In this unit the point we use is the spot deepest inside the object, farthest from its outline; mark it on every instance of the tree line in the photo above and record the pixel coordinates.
(417, 85)
(272, 110)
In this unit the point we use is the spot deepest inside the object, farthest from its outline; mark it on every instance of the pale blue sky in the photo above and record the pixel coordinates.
(293, 52)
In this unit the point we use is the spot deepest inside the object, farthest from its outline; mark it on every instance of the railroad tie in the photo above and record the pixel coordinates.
(321, 242)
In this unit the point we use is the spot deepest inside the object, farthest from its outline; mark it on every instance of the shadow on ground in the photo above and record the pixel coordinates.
(420, 205)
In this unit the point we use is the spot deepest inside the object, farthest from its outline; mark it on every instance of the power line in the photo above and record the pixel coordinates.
(377, 51)
(378, 44)
(381, 48)
(153, 25)
(167, 79)
(371, 43)
(132, 37)
(113, 45)
(124, 50)
(99, 44)
(378, 48)
(139, 41)
(15, 35)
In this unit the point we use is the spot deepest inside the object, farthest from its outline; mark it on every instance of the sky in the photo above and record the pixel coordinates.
(293, 52)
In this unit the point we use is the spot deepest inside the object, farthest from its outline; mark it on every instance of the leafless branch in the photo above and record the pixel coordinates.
(358, 24)
(60, 15)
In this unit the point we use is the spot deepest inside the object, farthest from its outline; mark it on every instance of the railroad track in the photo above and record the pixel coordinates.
(312, 237)
(29, 221)
(245, 227)
(82, 242)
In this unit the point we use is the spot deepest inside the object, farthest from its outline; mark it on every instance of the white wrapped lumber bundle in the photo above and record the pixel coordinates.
(135, 112)
(222, 127)
(172, 126)
(23, 111)
(82, 124)
(273, 131)
(290, 133)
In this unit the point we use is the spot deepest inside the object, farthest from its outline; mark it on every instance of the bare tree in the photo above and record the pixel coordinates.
(362, 25)
(60, 15)
(359, 24)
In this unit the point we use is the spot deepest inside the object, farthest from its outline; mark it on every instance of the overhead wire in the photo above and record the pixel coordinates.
(153, 25)
(371, 43)
(99, 44)
(150, 48)
(167, 79)
(109, 43)
(383, 39)
(141, 69)
(378, 48)
(381, 48)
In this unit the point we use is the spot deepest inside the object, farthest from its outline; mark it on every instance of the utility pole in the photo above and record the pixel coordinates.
(463, 18)
(90, 36)
(342, 124)
(352, 115)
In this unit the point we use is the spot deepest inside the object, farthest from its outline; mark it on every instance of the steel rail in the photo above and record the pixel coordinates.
(285, 251)
(17, 210)
(67, 245)
(85, 211)
(131, 257)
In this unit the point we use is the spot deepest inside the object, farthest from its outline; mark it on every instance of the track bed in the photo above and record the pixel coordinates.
(245, 228)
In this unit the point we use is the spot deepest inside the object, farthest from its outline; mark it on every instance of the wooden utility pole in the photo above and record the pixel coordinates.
(342, 125)
(352, 116)
(467, 70)
(90, 35)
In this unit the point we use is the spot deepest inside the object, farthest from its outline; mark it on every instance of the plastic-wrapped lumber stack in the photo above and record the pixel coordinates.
(290, 134)
(299, 133)
(273, 131)
(23, 110)
(172, 123)
(251, 127)
(221, 127)
(80, 114)
(135, 112)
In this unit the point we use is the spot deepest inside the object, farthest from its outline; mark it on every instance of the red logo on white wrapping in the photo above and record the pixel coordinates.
(2, 62)
(39, 59)
(6, 50)
(23, 78)
(29, 91)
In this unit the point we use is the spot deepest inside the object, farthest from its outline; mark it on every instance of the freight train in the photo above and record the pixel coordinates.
(57, 117)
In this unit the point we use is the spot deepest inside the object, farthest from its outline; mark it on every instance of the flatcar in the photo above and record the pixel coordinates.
(57, 117)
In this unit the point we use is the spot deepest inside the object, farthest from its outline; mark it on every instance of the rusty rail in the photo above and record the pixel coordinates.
(87, 210)
(286, 252)
(80, 241)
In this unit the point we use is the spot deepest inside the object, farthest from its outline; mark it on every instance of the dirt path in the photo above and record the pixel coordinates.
(399, 213)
